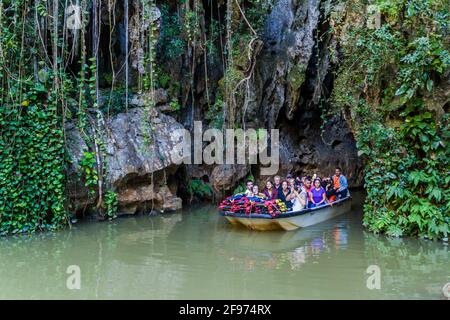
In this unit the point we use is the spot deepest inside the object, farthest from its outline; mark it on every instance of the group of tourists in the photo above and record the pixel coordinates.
(302, 192)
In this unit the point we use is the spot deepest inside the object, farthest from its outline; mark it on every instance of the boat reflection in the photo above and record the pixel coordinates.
(277, 250)
(340, 236)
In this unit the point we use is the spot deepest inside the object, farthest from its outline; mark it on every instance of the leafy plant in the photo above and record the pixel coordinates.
(90, 174)
(171, 43)
(214, 114)
(114, 101)
(174, 104)
(386, 81)
(111, 204)
(32, 171)
(199, 188)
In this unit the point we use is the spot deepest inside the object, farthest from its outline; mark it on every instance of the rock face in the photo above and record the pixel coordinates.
(159, 97)
(225, 177)
(305, 149)
(292, 75)
(141, 150)
(289, 43)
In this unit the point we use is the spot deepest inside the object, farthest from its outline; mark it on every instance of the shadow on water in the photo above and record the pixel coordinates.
(197, 254)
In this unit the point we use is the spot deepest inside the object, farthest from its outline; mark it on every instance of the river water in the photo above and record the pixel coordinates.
(197, 255)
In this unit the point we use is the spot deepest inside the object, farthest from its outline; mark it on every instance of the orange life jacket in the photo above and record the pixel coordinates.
(336, 183)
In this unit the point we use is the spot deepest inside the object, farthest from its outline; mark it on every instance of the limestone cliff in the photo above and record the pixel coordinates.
(289, 77)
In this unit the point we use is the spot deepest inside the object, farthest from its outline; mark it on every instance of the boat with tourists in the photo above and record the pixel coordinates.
(289, 204)
(290, 220)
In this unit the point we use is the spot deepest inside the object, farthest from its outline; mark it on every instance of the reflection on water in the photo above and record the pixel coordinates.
(196, 254)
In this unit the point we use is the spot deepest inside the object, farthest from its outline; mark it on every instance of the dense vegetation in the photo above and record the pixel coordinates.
(42, 86)
(391, 85)
(32, 90)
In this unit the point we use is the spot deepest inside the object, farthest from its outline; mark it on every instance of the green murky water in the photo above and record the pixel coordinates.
(197, 255)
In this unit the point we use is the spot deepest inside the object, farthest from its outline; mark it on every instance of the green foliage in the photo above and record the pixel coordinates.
(150, 75)
(191, 24)
(387, 79)
(244, 25)
(90, 174)
(214, 114)
(32, 177)
(171, 43)
(111, 204)
(163, 80)
(114, 101)
(240, 188)
(32, 100)
(296, 76)
(214, 31)
(174, 104)
(199, 188)
(257, 11)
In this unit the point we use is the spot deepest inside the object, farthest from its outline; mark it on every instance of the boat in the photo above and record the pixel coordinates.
(290, 220)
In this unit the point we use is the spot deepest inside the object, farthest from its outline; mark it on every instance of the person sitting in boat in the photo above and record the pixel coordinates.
(249, 190)
(330, 193)
(299, 200)
(325, 182)
(288, 180)
(292, 184)
(285, 194)
(303, 180)
(307, 185)
(298, 181)
(277, 183)
(270, 191)
(340, 183)
(256, 193)
(317, 195)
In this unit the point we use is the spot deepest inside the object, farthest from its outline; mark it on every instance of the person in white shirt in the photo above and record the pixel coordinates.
(299, 200)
